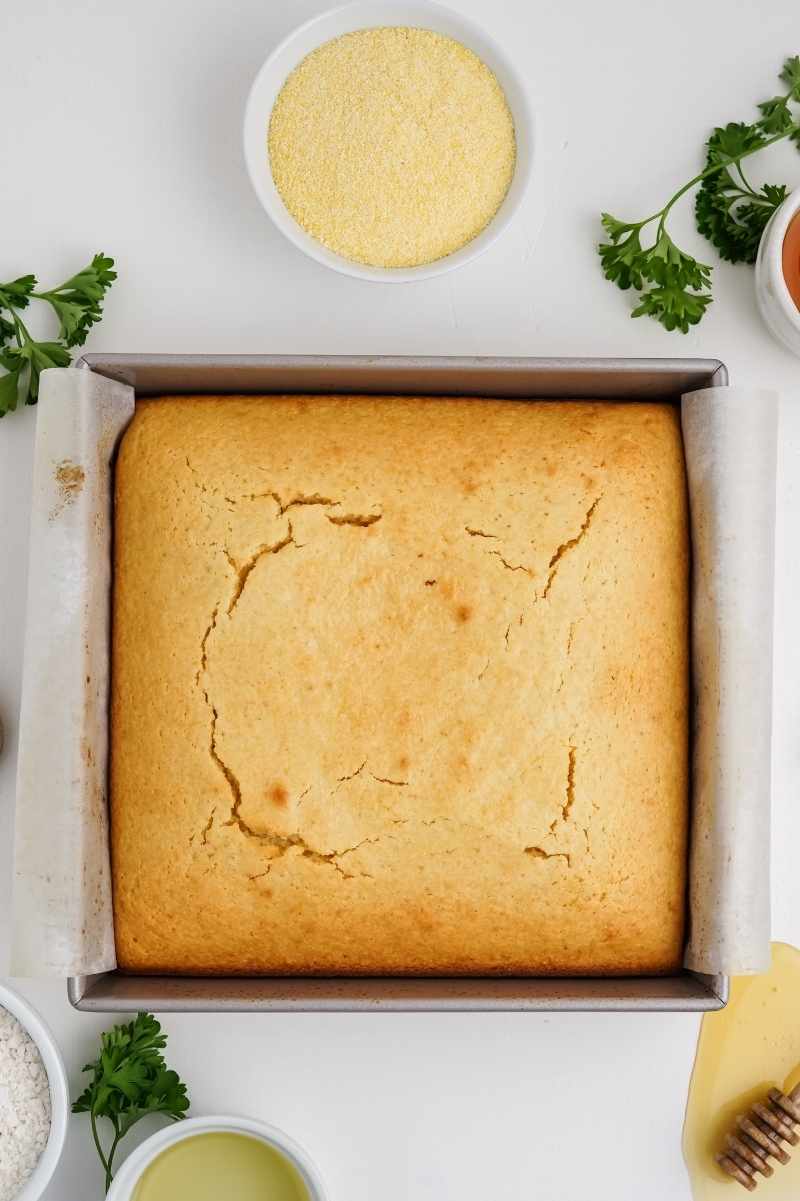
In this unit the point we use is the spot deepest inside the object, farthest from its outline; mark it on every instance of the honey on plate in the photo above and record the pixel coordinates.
(744, 1050)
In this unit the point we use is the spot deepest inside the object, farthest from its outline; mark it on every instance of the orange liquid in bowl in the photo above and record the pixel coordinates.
(791, 259)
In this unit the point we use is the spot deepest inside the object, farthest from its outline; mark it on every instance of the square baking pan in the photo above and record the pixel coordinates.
(663, 380)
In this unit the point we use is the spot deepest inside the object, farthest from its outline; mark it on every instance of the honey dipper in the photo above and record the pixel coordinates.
(760, 1135)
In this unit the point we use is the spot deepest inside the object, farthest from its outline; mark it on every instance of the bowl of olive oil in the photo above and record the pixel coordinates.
(204, 1159)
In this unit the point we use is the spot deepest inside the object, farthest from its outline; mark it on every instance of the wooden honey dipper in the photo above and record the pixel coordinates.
(760, 1136)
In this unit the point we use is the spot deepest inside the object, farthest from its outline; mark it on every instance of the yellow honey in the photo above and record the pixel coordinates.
(744, 1050)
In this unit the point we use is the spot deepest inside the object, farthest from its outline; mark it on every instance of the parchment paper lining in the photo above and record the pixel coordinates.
(730, 442)
(62, 920)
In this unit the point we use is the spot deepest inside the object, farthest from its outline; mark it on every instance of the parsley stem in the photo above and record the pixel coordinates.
(21, 332)
(746, 182)
(714, 169)
(96, 1138)
(109, 1173)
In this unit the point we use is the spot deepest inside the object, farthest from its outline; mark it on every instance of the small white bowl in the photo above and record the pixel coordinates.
(30, 1020)
(130, 1173)
(370, 14)
(775, 303)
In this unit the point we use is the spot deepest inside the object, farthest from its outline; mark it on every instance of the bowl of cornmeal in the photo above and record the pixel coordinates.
(391, 142)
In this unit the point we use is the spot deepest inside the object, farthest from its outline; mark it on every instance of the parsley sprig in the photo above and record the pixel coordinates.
(78, 304)
(129, 1081)
(674, 287)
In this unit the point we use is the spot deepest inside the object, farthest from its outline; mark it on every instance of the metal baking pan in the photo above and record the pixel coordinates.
(594, 379)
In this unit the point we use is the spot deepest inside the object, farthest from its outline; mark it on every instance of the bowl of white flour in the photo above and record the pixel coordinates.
(34, 1100)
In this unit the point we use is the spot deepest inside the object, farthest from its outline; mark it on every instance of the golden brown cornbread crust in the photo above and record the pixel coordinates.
(399, 686)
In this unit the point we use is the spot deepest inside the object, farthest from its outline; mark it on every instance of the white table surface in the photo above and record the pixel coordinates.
(121, 133)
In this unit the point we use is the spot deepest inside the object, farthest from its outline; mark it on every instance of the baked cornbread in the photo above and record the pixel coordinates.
(399, 686)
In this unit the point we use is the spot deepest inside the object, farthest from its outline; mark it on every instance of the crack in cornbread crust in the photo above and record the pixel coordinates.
(399, 686)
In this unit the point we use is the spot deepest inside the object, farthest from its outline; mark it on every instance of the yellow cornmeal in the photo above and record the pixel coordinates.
(393, 147)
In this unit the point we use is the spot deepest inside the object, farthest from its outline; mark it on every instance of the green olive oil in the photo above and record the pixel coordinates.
(207, 1167)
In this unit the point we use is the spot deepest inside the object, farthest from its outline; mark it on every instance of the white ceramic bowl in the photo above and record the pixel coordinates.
(365, 14)
(775, 303)
(30, 1020)
(130, 1173)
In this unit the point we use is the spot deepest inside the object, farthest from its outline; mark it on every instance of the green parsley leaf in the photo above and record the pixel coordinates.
(791, 76)
(9, 392)
(679, 295)
(734, 220)
(17, 293)
(622, 258)
(78, 301)
(129, 1081)
(666, 264)
(32, 358)
(729, 142)
(776, 116)
(78, 305)
(7, 330)
(729, 212)
(166, 1094)
(674, 307)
